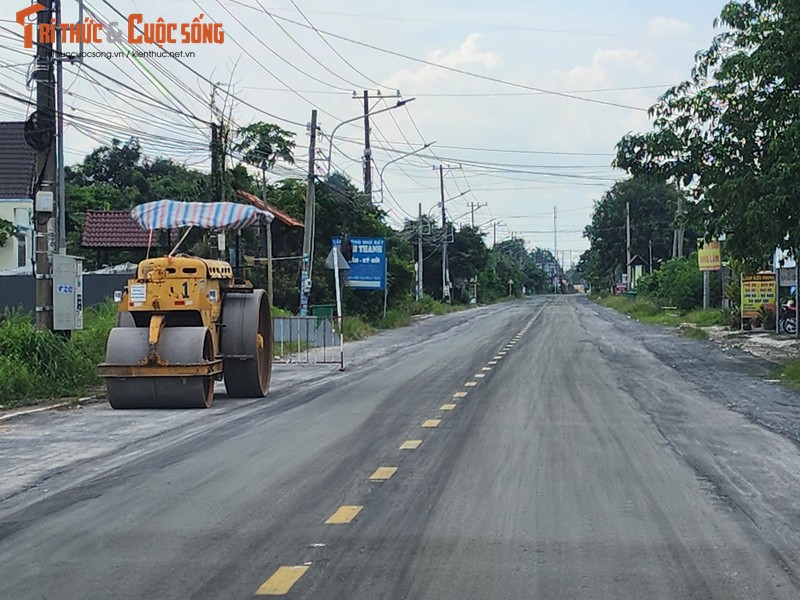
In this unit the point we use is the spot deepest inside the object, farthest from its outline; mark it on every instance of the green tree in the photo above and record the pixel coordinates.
(7, 231)
(653, 205)
(731, 132)
(263, 144)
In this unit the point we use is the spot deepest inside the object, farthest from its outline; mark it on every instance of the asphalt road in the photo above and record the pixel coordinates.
(570, 460)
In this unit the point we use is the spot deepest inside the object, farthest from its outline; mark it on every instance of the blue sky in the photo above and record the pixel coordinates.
(515, 152)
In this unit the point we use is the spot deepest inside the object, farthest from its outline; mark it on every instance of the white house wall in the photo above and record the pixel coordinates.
(17, 212)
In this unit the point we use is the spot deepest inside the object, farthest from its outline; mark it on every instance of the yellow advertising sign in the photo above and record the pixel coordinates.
(709, 257)
(757, 291)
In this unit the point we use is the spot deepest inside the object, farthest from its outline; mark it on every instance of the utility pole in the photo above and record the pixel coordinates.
(367, 150)
(494, 234)
(445, 286)
(555, 233)
(46, 169)
(62, 185)
(555, 245)
(628, 242)
(267, 230)
(677, 234)
(473, 206)
(419, 255)
(308, 234)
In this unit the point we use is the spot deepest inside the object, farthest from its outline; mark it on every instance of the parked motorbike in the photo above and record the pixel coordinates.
(788, 320)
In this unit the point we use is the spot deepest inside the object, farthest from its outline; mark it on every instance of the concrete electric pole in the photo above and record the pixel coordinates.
(445, 282)
(420, 258)
(367, 150)
(44, 130)
(308, 234)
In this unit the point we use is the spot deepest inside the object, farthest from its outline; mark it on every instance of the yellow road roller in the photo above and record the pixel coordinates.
(185, 322)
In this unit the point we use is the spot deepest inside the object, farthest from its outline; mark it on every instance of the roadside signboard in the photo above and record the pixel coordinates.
(757, 291)
(368, 263)
(709, 257)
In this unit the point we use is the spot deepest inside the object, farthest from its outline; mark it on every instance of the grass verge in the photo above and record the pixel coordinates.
(789, 374)
(648, 311)
(42, 365)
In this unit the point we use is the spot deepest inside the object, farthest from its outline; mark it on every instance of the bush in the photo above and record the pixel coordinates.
(677, 283)
(42, 364)
(356, 329)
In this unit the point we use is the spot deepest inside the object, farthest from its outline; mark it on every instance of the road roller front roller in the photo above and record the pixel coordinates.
(184, 323)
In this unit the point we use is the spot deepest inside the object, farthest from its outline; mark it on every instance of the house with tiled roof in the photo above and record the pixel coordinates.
(17, 174)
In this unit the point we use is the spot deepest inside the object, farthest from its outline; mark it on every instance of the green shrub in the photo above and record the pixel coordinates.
(679, 283)
(356, 329)
(39, 365)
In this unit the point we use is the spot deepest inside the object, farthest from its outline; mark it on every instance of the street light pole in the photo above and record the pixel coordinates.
(402, 156)
(369, 114)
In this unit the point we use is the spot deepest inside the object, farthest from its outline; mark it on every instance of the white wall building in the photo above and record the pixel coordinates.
(17, 171)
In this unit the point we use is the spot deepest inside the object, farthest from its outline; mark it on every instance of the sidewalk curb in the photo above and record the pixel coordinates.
(32, 411)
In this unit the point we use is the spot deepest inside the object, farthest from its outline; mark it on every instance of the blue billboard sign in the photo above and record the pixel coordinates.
(368, 264)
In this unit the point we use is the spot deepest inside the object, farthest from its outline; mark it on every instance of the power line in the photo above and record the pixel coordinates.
(462, 71)
(336, 52)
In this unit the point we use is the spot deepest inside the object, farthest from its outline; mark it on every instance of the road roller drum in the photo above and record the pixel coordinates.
(170, 381)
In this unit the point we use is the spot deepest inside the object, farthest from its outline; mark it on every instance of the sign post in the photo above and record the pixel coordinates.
(709, 258)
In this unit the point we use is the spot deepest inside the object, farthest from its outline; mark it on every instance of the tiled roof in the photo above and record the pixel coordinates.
(282, 216)
(17, 162)
(112, 229)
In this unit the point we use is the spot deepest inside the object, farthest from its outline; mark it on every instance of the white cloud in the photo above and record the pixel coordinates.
(667, 27)
(605, 64)
(467, 54)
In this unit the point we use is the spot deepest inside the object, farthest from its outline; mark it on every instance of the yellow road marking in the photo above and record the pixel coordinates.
(383, 473)
(448, 406)
(480, 375)
(431, 423)
(492, 362)
(486, 369)
(471, 384)
(460, 394)
(281, 581)
(344, 514)
(410, 444)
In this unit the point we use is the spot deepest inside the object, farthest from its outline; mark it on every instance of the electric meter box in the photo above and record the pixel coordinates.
(43, 202)
(67, 292)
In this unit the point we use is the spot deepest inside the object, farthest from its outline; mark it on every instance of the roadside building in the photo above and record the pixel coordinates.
(17, 174)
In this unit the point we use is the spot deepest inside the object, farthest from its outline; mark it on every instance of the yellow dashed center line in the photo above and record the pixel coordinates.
(448, 406)
(431, 423)
(383, 473)
(460, 394)
(410, 445)
(281, 581)
(471, 384)
(344, 514)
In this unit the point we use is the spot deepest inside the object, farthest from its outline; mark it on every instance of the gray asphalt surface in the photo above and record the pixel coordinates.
(592, 461)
